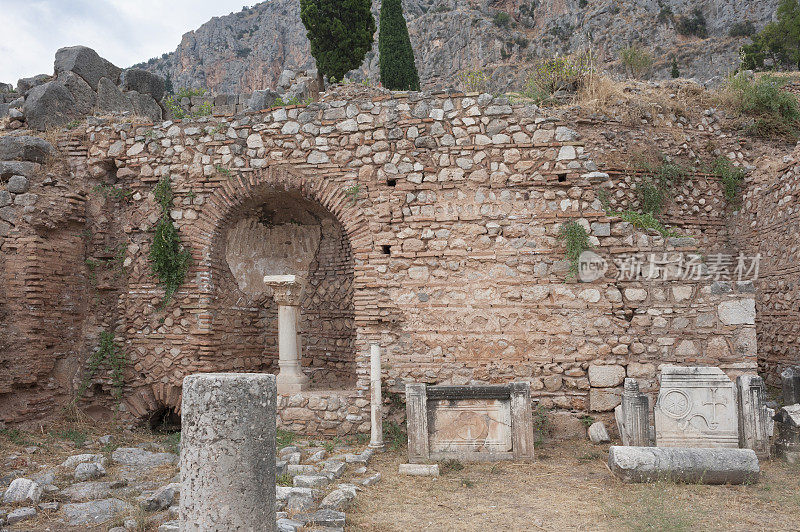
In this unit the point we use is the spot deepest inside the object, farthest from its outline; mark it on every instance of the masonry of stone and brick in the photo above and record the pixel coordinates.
(440, 216)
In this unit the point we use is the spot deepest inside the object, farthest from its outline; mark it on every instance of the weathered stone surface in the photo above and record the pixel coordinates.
(755, 419)
(790, 382)
(145, 105)
(143, 82)
(163, 498)
(696, 407)
(787, 445)
(604, 399)
(85, 62)
(94, 512)
(85, 97)
(49, 105)
(26, 84)
(598, 433)
(134, 456)
(76, 459)
(338, 499)
(323, 518)
(9, 169)
(696, 465)
(633, 416)
(22, 490)
(111, 100)
(20, 514)
(426, 470)
(310, 481)
(262, 99)
(86, 491)
(737, 312)
(18, 184)
(606, 376)
(25, 148)
(88, 471)
(228, 415)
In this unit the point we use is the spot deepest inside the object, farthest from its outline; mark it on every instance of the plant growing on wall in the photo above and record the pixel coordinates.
(110, 354)
(577, 241)
(731, 178)
(170, 262)
(341, 33)
(398, 71)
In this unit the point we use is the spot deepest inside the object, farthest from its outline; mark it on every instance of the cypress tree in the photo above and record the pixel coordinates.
(168, 88)
(341, 33)
(674, 72)
(398, 71)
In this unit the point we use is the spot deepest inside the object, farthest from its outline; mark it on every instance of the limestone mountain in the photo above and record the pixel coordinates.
(248, 50)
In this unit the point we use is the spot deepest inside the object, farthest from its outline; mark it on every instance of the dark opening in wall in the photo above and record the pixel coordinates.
(392, 182)
(164, 419)
(562, 178)
(386, 249)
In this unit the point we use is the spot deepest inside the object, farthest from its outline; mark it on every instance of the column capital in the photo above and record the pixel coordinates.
(286, 289)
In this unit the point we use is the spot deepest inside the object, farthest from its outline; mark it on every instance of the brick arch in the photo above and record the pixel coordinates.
(238, 193)
(236, 196)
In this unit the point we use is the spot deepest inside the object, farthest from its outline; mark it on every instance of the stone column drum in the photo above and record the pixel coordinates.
(228, 452)
(287, 291)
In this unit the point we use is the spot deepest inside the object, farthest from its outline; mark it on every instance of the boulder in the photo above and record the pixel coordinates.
(86, 491)
(111, 100)
(338, 499)
(85, 62)
(9, 169)
(22, 490)
(18, 184)
(26, 84)
(6, 88)
(143, 82)
(85, 98)
(145, 105)
(285, 79)
(49, 105)
(133, 456)
(20, 514)
(89, 471)
(76, 459)
(94, 512)
(3, 110)
(262, 99)
(162, 498)
(684, 464)
(25, 148)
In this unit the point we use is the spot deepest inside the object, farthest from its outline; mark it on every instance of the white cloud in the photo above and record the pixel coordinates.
(123, 31)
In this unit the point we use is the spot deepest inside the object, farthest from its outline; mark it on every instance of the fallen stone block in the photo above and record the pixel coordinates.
(25, 148)
(691, 465)
(300, 469)
(372, 479)
(310, 481)
(338, 499)
(133, 456)
(22, 490)
(598, 433)
(424, 470)
(20, 514)
(322, 518)
(89, 471)
(95, 512)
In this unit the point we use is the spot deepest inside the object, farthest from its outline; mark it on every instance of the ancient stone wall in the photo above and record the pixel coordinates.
(439, 218)
(769, 224)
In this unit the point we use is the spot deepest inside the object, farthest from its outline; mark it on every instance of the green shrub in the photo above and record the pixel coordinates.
(283, 438)
(473, 81)
(638, 62)
(169, 261)
(78, 437)
(558, 73)
(674, 72)
(502, 19)
(742, 29)
(577, 241)
(110, 354)
(692, 25)
(284, 480)
(644, 221)
(778, 44)
(772, 112)
(731, 178)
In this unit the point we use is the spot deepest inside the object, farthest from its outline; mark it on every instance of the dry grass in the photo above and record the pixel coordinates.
(569, 487)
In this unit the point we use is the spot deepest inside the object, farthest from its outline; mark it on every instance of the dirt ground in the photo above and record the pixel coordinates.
(569, 487)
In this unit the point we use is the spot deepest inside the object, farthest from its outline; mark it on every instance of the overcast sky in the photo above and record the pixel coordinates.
(123, 31)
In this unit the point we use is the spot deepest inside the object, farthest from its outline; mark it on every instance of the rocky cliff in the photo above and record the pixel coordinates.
(248, 50)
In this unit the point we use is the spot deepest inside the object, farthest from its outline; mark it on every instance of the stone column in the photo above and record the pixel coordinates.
(228, 452)
(376, 406)
(754, 416)
(417, 423)
(287, 291)
(633, 416)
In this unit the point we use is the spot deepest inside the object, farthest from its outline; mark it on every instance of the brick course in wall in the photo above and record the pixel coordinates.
(441, 214)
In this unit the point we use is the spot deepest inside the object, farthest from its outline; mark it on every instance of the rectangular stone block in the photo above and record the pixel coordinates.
(755, 418)
(482, 423)
(696, 407)
(696, 465)
(422, 470)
